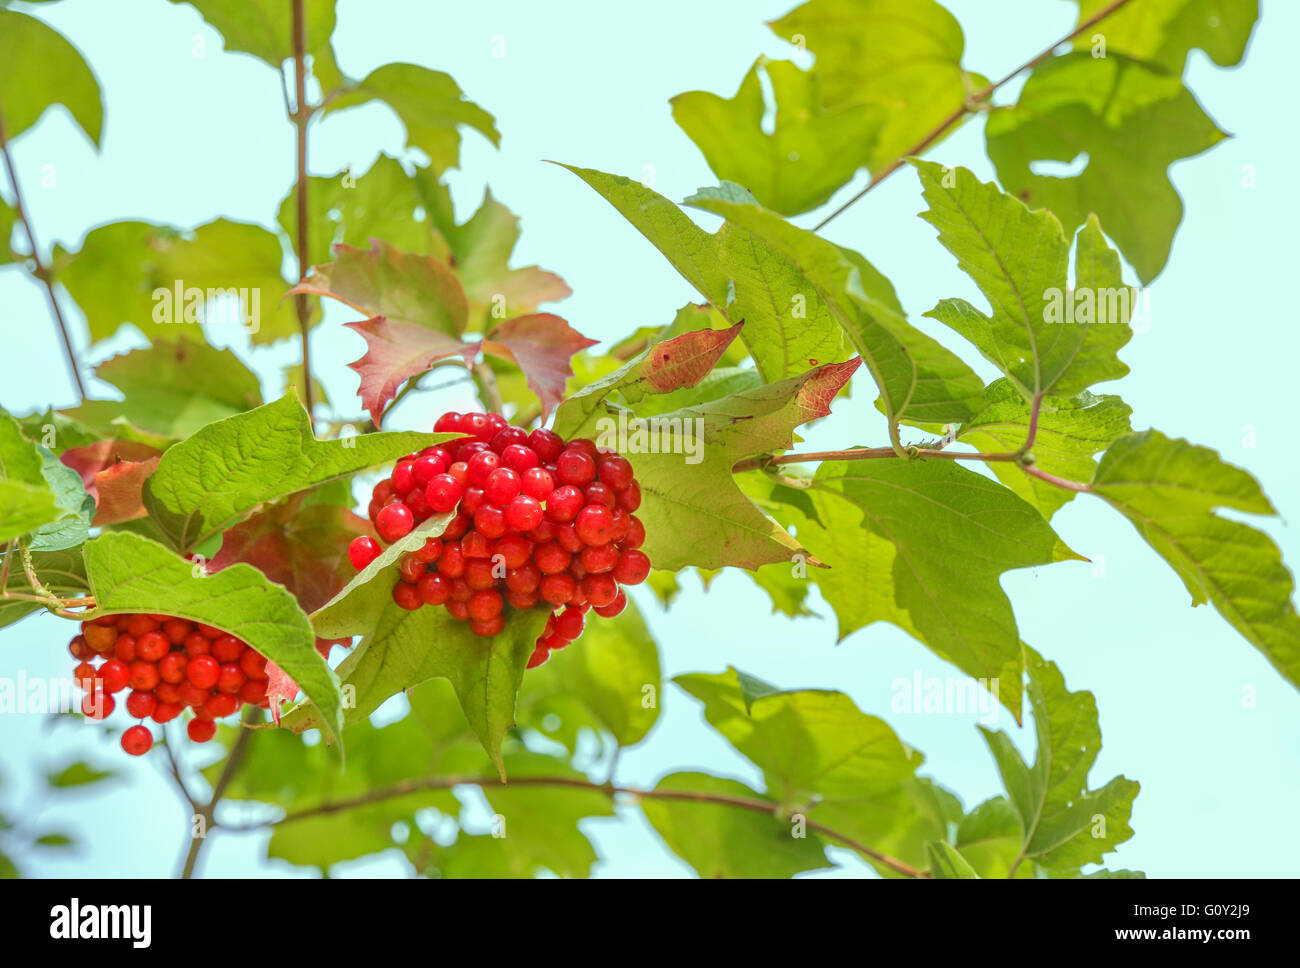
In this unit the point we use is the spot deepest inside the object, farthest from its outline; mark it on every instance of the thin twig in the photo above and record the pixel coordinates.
(487, 386)
(301, 117)
(208, 810)
(968, 107)
(1052, 479)
(867, 453)
(446, 783)
(41, 271)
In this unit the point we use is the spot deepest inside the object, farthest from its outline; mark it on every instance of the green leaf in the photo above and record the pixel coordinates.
(1146, 123)
(430, 104)
(226, 470)
(811, 151)
(614, 674)
(78, 774)
(820, 757)
(129, 573)
(55, 840)
(26, 500)
(41, 69)
(902, 60)
(1168, 489)
(990, 837)
(1064, 824)
(728, 841)
(171, 388)
(1164, 31)
(264, 28)
(937, 539)
(163, 281)
(77, 507)
(693, 511)
(1018, 259)
(918, 378)
(1071, 432)
(947, 862)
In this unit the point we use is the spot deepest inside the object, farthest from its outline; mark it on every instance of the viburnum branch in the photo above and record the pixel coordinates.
(208, 810)
(486, 381)
(41, 270)
(1052, 479)
(971, 105)
(609, 789)
(301, 116)
(1032, 433)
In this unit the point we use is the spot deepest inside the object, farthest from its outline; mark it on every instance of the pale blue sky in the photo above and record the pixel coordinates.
(191, 139)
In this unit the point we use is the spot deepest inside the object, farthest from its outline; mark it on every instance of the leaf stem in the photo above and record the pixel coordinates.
(969, 106)
(41, 270)
(300, 117)
(609, 789)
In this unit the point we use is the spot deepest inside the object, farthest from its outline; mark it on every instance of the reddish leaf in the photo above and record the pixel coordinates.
(119, 491)
(395, 353)
(542, 345)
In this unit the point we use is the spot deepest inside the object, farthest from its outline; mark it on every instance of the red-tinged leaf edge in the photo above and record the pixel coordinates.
(542, 345)
(395, 353)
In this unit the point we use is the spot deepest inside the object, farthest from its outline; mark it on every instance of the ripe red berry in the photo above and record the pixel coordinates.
(202, 672)
(141, 704)
(514, 549)
(407, 596)
(524, 513)
(452, 562)
(100, 638)
(362, 551)
(460, 590)
(575, 467)
(113, 675)
(80, 648)
(523, 579)
(559, 588)
(137, 740)
(227, 648)
(632, 568)
(597, 559)
(502, 485)
(613, 608)
(635, 533)
(168, 691)
(152, 646)
(457, 610)
(403, 477)
(539, 656)
(550, 558)
(599, 589)
(176, 629)
(489, 627)
(84, 673)
(429, 551)
(614, 471)
(459, 472)
(594, 523)
(546, 443)
(253, 691)
(394, 521)
(97, 705)
(521, 600)
(563, 503)
(220, 705)
(171, 667)
(201, 730)
(196, 644)
(598, 493)
(485, 605)
(569, 623)
(448, 423)
(629, 499)
(231, 678)
(472, 499)
(481, 465)
(253, 664)
(480, 574)
(519, 458)
(475, 544)
(426, 468)
(137, 625)
(568, 539)
(143, 675)
(411, 568)
(434, 589)
(536, 482)
(490, 521)
(165, 712)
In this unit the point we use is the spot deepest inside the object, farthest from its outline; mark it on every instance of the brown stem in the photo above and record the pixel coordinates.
(41, 271)
(301, 116)
(446, 783)
(968, 107)
(207, 811)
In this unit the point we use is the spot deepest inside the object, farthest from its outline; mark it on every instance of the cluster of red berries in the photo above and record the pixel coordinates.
(538, 521)
(168, 663)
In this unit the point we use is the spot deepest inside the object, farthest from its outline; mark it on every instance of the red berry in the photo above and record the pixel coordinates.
(551, 559)
(168, 692)
(113, 675)
(231, 678)
(457, 610)
(227, 649)
(220, 705)
(124, 648)
(460, 590)
(546, 443)
(519, 458)
(597, 559)
(137, 625)
(100, 638)
(196, 644)
(600, 590)
(192, 695)
(575, 467)
(394, 521)
(632, 568)
(563, 503)
(411, 569)
(543, 533)
(253, 664)
(585, 445)
(523, 579)
(152, 646)
(476, 544)
(426, 468)
(141, 704)
(594, 524)
(509, 436)
(536, 482)
(429, 551)
(165, 712)
(80, 648)
(171, 667)
(524, 513)
(459, 472)
(502, 485)
(635, 533)
(452, 562)
(253, 691)
(613, 608)
(539, 656)
(568, 539)
(514, 549)
(569, 623)
(629, 499)
(383, 491)
(403, 477)
(480, 573)
(488, 628)
(407, 596)
(490, 521)
(143, 675)
(558, 589)
(448, 423)
(484, 605)
(521, 600)
(201, 730)
(481, 465)
(362, 551)
(137, 740)
(434, 589)
(598, 493)
(478, 425)
(415, 500)
(472, 499)
(85, 675)
(614, 471)
(176, 629)
(202, 672)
